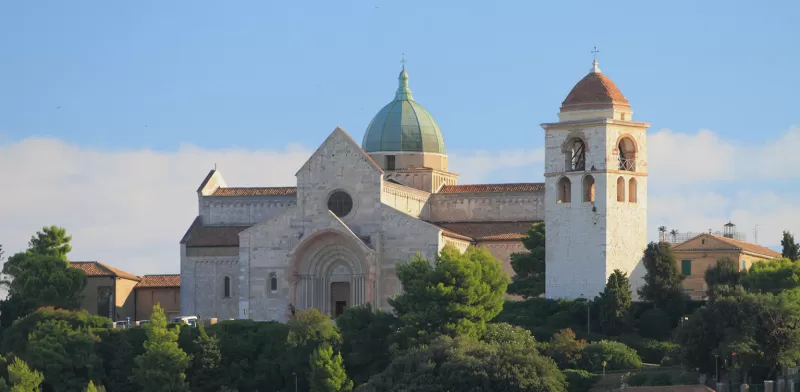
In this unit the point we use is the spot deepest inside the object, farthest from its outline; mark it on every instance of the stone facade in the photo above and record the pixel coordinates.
(284, 247)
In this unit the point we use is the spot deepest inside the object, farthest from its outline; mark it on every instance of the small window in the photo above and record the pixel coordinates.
(622, 116)
(703, 242)
(632, 190)
(273, 282)
(227, 288)
(620, 189)
(588, 188)
(686, 267)
(390, 162)
(744, 265)
(564, 190)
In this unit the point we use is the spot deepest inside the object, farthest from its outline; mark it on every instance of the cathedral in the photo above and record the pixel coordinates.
(333, 240)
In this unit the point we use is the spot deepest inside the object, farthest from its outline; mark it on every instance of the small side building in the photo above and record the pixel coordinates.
(158, 289)
(701, 252)
(108, 290)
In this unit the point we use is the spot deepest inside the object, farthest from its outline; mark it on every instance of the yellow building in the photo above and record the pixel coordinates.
(108, 290)
(701, 252)
(164, 290)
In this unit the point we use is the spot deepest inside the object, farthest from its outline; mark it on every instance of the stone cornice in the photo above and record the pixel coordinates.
(595, 121)
(620, 172)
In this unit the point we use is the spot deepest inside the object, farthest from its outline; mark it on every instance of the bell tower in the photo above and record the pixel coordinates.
(596, 190)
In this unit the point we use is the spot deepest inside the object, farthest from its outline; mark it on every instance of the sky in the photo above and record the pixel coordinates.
(111, 113)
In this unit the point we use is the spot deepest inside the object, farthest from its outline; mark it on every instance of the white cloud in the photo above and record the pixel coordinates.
(130, 208)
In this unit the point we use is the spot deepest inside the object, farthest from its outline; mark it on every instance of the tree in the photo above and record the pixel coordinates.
(162, 367)
(51, 241)
(308, 330)
(464, 364)
(504, 333)
(455, 295)
(614, 304)
(23, 378)
(207, 371)
(662, 233)
(529, 267)
(662, 280)
(42, 281)
(722, 277)
(327, 371)
(565, 349)
(366, 341)
(791, 249)
(761, 329)
(774, 276)
(67, 355)
(90, 387)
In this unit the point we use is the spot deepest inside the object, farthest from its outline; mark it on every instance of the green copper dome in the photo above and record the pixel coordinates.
(403, 125)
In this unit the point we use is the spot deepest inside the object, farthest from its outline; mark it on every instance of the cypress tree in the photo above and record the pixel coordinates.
(327, 371)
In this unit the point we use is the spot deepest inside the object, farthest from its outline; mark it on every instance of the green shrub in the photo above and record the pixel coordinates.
(617, 356)
(687, 378)
(637, 379)
(580, 380)
(660, 379)
(649, 350)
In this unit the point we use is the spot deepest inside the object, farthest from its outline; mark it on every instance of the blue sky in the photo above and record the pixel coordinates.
(160, 81)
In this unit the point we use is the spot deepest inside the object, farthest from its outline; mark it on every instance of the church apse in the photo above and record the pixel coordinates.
(330, 271)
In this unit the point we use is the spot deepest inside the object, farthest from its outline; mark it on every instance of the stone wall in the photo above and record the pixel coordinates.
(410, 201)
(502, 251)
(500, 206)
(227, 210)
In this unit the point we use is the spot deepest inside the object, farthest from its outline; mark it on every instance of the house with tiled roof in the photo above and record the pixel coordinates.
(333, 239)
(108, 291)
(702, 251)
(164, 290)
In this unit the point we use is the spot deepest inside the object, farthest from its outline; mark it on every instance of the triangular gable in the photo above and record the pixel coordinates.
(688, 243)
(340, 134)
(333, 223)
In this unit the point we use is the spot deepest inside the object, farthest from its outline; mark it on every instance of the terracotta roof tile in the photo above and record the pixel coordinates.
(199, 235)
(159, 281)
(263, 191)
(488, 231)
(488, 188)
(748, 247)
(595, 88)
(94, 268)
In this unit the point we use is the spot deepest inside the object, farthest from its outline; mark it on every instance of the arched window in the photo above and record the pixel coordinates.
(632, 190)
(588, 188)
(626, 150)
(227, 287)
(564, 190)
(273, 282)
(620, 189)
(576, 160)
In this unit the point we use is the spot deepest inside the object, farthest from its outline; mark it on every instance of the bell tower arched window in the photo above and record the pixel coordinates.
(273, 282)
(632, 190)
(564, 190)
(588, 188)
(626, 154)
(620, 189)
(576, 155)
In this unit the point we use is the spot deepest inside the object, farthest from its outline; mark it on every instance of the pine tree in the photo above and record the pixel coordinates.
(791, 249)
(23, 378)
(662, 280)
(208, 371)
(162, 367)
(615, 303)
(327, 371)
(529, 266)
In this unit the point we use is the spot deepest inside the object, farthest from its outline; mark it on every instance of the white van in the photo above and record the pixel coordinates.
(188, 320)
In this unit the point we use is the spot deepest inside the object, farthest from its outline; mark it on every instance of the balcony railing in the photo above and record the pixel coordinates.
(627, 164)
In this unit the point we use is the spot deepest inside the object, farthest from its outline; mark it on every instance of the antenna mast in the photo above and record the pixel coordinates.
(755, 232)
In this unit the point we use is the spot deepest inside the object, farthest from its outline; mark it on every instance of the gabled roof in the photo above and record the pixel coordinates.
(256, 191)
(491, 188)
(735, 245)
(97, 269)
(340, 132)
(486, 231)
(199, 235)
(159, 281)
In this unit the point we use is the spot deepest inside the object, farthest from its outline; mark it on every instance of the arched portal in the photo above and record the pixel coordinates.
(331, 272)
